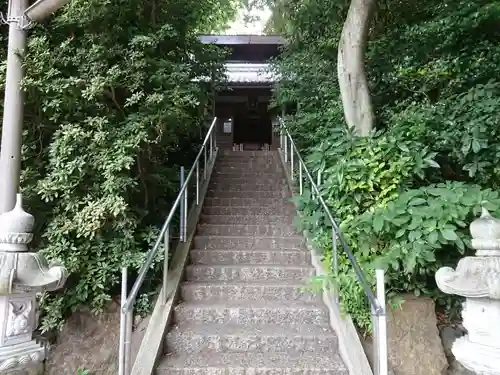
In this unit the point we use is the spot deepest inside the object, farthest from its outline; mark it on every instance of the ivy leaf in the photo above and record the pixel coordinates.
(400, 233)
(417, 201)
(378, 223)
(432, 163)
(433, 237)
(403, 147)
(410, 262)
(449, 234)
(476, 146)
(460, 244)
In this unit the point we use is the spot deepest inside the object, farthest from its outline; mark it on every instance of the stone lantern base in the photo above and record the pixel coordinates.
(21, 359)
(481, 359)
(479, 350)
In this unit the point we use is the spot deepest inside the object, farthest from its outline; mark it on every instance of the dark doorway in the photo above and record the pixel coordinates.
(252, 123)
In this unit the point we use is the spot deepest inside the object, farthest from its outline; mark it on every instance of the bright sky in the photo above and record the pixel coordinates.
(239, 27)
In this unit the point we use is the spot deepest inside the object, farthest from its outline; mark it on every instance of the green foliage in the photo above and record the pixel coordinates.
(112, 112)
(362, 172)
(471, 138)
(405, 196)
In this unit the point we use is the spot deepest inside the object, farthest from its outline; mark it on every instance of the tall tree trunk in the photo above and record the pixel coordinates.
(354, 91)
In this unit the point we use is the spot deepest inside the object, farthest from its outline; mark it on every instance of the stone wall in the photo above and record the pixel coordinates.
(414, 343)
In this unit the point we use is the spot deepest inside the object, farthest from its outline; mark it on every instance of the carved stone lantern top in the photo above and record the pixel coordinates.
(477, 276)
(16, 228)
(485, 233)
(22, 271)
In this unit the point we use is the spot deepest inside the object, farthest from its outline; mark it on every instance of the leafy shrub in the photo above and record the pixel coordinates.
(112, 111)
(468, 145)
(409, 232)
(358, 174)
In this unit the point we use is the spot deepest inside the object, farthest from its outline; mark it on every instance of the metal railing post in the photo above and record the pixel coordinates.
(318, 181)
(166, 251)
(211, 145)
(291, 163)
(126, 316)
(381, 325)
(301, 188)
(197, 183)
(215, 131)
(123, 324)
(128, 341)
(286, 148)
(205, 163)
(185, 205)
(181, 224)
(376, 335)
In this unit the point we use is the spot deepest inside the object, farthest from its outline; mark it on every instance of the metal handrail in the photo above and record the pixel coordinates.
(357, 269)
(181, 201)
(377, 303)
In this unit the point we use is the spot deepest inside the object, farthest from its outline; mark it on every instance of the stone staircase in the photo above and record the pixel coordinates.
(243, 308)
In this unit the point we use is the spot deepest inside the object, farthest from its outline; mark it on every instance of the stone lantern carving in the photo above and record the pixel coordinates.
(22, 275)
(478, 279)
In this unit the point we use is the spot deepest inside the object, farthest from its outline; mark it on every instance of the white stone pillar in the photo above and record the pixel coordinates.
(478, 279)
(22, 275)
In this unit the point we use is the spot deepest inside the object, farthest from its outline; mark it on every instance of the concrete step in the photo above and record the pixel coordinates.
(224, 173)
(246, 363)
(275, 230)
(269, 166)
(257, 194)
(285, 257)
(219, 292)
(266, 202)
(257, 338)
(249, 273)
(263, 160)
(228, 154)
(250, 210)
(248, 243)
(247, 219)
(272, 179)
(270, 157)
(246, 186)
(251, 312)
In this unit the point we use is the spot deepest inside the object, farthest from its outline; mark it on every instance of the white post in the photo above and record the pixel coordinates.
(181, 207)
(381, 345)
(12, 127)
(123, 324)
(301, 189)
(286, 148)
(478, 279)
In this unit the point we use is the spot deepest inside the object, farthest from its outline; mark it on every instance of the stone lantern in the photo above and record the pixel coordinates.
(478, 279)
(22, 275)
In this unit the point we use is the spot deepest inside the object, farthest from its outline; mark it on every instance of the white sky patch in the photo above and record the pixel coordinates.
(238, 27)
